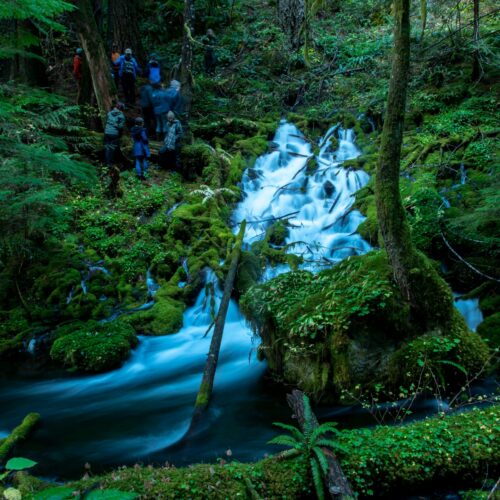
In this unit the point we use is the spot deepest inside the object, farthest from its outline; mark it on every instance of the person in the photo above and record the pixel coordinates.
(170, 152)
(210, 59)
(160, 109)
(78, 71)
(112, 133)
(153, 71)
(146, 101)
(129, 69)
(173, 96)
(141, 148)
(115, 64)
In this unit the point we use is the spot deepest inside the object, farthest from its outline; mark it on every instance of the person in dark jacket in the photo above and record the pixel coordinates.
(129, 69)
(146, 101)
(141, 148)
(160, 109)
(170, 152)
(112, 133)
(115, 64)
(210, 59)
(153, 71)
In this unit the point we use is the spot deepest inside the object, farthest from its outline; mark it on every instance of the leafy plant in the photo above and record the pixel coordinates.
(16, 464)
(309, 444)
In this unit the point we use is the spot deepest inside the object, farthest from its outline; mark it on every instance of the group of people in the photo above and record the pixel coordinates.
(169, 154)
(159, 106)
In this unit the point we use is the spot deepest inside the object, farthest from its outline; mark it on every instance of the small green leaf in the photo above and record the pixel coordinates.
(110, 495)
(55, 494)
(19, 463)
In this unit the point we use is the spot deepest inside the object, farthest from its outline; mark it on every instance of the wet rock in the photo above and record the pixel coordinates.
(329, 189)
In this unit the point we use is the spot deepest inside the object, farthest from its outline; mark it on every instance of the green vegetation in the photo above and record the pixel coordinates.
(93, 347)
(381, 461)
(21, 432)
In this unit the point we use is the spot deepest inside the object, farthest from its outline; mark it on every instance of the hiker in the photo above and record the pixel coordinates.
(161, 106)
(210, 59)
(141, 148)
(170, 152)
(112, 133)
(146, 101)
(129, 70)
(115, 64)
(174, 97)
(77, 71)
(152, 71)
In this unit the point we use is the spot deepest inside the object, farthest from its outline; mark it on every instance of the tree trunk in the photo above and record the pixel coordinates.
(29, 70)
(428, 296)
(476, 67)
(336, 483)
(185, 70)
(205, 392)
(20, 433)
(95, 55)
(291, 18)
(123, 27)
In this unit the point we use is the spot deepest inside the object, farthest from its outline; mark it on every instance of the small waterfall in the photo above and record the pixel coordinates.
(469, 309)
(318, 206)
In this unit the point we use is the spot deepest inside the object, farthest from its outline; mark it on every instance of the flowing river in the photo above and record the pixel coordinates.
(141, 410)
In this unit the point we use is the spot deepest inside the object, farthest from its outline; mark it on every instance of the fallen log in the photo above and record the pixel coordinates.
(335, 481)
(20, 433)
(207, 382)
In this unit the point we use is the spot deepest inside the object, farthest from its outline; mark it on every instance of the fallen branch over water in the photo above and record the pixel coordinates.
(207, 382)
(20, 433)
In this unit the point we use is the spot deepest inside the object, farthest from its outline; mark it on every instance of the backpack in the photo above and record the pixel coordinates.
(128, 66)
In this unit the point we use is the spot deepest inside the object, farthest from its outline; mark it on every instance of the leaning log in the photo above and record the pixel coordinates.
(205, 392)
(336, 483)
(20, 433)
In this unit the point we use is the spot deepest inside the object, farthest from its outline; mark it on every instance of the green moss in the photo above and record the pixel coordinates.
(163, 318)
(20, 433)
(384, 459)
(253, 146)
(489, 330)
(94, 347)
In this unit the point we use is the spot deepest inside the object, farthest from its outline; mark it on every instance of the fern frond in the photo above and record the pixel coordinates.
(284, 440)
(327, 427)
(316, 475)
(321, 459)
(296, 433)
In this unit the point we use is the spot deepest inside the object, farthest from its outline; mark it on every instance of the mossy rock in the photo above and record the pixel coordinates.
(253, 146)
(94, 347)
(489, 330)
(163, 318)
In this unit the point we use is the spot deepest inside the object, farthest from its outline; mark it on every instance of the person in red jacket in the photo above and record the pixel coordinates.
(77, 71)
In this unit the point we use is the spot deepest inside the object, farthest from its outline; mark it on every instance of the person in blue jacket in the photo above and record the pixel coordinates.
(160, 108)
(129, 69)
(141, 148)
(153, 71)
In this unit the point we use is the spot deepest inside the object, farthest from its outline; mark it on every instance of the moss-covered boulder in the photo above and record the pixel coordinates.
(349, 325)
(163, 318)
(489, 330)
(93, 346)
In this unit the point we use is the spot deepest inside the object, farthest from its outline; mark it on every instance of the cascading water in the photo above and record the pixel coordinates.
(318, 207)
(136, 412)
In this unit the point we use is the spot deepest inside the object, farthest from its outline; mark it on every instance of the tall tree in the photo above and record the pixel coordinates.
(185, 70)
(291, 18)
(428, 296)
(476, 67)
(95, 55)
(123, 27)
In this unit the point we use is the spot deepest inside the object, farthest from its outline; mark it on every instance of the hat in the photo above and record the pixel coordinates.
(120, 105)
(128, 51)
(139, 120)
(79, 51)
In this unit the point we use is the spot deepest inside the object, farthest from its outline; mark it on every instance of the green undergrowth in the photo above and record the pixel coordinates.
(461, 449)
(349, 325)
(92, 346)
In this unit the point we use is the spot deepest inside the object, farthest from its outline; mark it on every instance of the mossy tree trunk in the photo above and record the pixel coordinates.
(207, 383)
(476, 67)
(123, 27)
(95, 55)
(20, 433)
(428, 295)
(185, 70)
(291, 18)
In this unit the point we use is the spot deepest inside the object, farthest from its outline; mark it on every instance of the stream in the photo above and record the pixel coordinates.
(141, 410)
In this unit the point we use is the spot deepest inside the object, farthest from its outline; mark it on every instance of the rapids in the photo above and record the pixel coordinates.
(141, 410)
